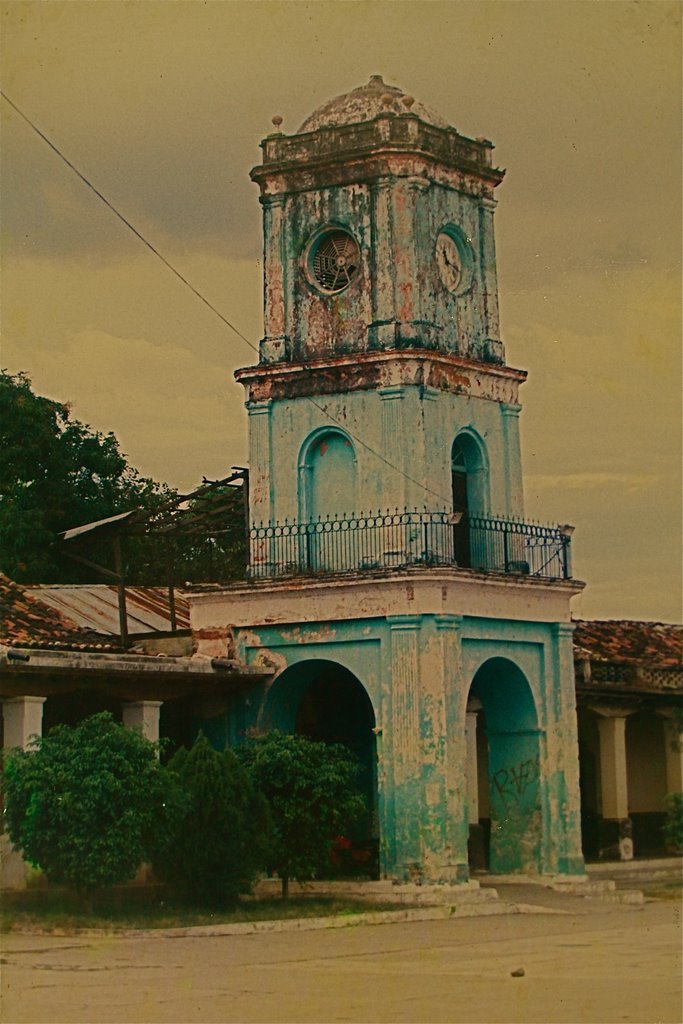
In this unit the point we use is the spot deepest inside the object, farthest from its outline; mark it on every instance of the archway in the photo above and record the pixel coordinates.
(469, 486)
(326, 702)
(509, 752)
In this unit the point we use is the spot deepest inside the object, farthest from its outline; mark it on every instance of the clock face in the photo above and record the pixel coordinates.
(449, 261)
(454, 260)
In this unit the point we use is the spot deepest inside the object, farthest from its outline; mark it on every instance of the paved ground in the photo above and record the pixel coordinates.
(597, 963)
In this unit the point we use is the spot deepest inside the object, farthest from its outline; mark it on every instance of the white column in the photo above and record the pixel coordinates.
(613, 778)
(472, 773)
(22, 719)
(143, 716)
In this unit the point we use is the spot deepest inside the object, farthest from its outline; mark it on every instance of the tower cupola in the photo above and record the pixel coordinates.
(378, 233)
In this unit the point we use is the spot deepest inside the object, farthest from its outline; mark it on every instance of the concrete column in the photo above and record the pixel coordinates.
(514, 486)
(381, 330)
(393, 446)
(616, 841)
(143, 716)
(472, 772)
(405, 745)
(673, 748)
(560, 753)
(488, 268)
(22, 719)
(260, 503)
(273, 347)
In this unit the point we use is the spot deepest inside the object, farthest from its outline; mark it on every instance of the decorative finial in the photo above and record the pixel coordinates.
(408, 101)
(277, 120)
(387, 99)
(376, 80)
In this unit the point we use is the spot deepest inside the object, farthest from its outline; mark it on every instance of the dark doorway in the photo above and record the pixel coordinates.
(326, 702)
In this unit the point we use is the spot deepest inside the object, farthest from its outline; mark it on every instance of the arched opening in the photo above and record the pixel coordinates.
(327, 494)
(326, 702)
(506, 765)
(646, 780)
(469, 487)
(329, 470)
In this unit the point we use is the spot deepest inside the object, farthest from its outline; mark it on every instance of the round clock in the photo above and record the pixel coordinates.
(332, 259)
(454, 259)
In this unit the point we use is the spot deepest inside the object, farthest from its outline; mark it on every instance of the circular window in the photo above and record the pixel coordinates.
(333, 260)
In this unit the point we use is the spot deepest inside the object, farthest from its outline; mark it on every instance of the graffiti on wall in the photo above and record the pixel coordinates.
(512, 783)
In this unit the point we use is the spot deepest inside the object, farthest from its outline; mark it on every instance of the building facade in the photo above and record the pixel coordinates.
(395, 593)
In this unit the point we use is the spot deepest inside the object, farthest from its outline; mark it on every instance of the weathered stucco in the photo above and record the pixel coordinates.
(391, 392)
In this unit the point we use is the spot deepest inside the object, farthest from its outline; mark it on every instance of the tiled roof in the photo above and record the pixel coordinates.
(25, 621)
(623, 641)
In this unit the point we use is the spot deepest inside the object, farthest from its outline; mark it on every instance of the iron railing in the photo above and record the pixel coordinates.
(357, 543)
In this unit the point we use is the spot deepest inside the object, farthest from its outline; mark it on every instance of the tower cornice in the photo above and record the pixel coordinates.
(363, 371)
(388, 145)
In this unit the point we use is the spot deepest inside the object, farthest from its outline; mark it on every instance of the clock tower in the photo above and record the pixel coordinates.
(381, 305)
(394, 592)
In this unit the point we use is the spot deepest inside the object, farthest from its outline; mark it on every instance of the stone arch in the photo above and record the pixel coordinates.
(508, 758)
(326, 701)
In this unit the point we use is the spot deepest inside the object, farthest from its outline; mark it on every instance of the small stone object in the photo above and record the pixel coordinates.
(408, 101)
(277, 120)
(387, 99)
(519, 973)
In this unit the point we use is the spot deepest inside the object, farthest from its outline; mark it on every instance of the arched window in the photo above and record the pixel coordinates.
(328, 485)
(469, 479)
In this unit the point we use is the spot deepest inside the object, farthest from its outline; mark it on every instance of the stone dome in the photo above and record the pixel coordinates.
(365, 103)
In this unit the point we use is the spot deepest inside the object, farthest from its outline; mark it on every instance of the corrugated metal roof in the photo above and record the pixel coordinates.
(95, 607)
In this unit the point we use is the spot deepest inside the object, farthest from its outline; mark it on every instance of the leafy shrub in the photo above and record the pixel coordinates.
(212, 837)
(311, 791)
(83, 804)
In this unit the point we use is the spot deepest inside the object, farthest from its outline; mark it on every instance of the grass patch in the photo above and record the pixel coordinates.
(57, 910)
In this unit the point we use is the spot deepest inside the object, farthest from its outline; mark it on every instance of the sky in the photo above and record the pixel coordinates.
(162, 105)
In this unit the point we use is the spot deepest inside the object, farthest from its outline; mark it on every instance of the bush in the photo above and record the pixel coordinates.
(673, 825)
(311, 791)
(212, 838)
(84, 803)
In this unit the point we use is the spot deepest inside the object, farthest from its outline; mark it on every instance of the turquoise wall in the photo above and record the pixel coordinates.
(412, 427)
(418, 672)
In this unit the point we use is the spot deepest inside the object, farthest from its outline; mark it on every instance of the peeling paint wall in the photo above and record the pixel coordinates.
(417, 671)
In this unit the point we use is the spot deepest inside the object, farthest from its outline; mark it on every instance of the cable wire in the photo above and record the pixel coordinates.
(124, 220)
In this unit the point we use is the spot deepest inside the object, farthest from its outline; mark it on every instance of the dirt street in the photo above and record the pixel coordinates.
(600, 963)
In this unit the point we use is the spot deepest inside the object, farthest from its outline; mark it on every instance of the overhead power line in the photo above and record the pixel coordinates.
(138, 234)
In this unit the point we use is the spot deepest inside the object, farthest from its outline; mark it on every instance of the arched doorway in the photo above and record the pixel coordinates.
(326, 702)
(468, 480)
(508, 754)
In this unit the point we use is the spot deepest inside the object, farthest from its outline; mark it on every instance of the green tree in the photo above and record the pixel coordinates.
(311, 789)
(215, 827)
(57, 473)
(84, 804)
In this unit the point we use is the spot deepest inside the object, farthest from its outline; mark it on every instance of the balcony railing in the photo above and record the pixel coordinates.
(359, 543)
